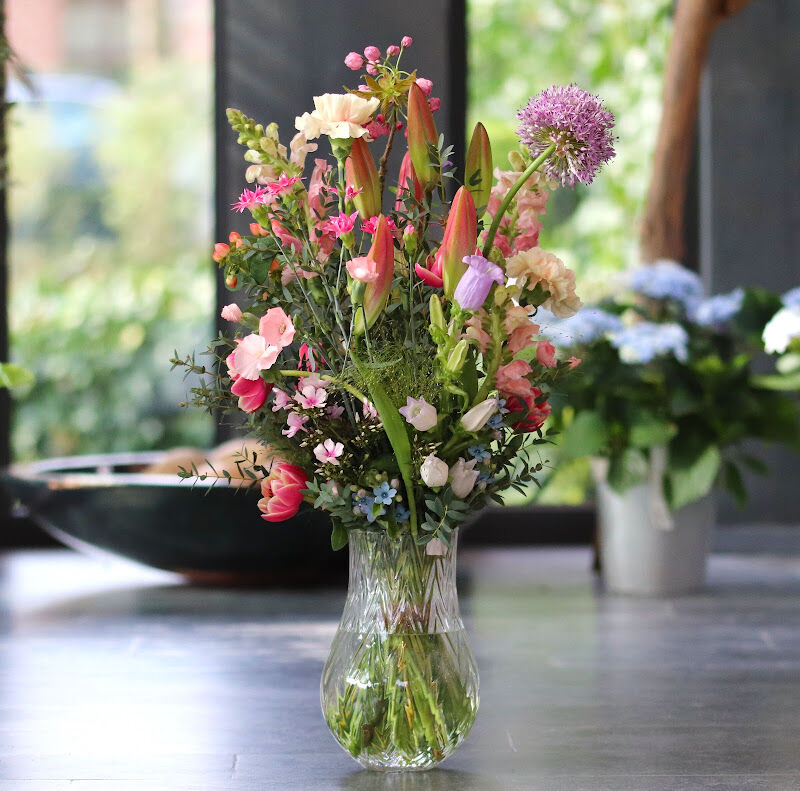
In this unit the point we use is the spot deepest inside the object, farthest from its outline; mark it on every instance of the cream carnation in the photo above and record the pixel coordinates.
(536, 266)
(338, 115)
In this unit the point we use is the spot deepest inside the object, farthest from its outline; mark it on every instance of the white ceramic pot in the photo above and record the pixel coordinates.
(647, 551)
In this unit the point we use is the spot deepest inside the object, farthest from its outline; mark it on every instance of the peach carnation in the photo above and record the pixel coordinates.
(338, 115)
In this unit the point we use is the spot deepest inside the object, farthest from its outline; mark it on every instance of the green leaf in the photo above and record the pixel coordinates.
(338, 536)
(734, 483)
(755, 464)
(585, 436)
(781, 382)
(688, 482)
(12, 376)
(648, 430)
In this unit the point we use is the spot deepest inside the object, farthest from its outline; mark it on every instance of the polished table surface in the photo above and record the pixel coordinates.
(114, 677)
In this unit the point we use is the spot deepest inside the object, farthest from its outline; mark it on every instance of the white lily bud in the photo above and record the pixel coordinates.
(476, 418)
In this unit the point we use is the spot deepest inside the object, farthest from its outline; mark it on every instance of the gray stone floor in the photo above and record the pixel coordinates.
(117, 678)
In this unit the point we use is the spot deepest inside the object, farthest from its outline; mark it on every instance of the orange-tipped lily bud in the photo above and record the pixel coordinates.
(376, 292)
(459, 240)
(478, 170)
(361, 175)
(407, 174)
(421, 134)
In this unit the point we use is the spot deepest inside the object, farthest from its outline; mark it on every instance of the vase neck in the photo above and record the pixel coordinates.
(398, 586)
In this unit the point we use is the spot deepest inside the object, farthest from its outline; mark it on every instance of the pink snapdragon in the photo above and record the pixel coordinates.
(328, 452)
(276, 328)
(364, 269)
(511, 378)
(310, 397)
(294, 423)
(546, 354)
(353, 61)
(341, 224)
(574, 362)
(231, 312)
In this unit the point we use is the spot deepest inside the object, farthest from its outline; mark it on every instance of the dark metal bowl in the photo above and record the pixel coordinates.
(211, 535)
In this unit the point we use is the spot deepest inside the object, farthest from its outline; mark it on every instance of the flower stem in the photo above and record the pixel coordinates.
(500, 213)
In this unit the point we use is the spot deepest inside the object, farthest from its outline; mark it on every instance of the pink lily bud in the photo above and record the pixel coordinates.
(361, 174)
(478, 168)
(459, 240)
(376, 292)
(421, 134)
(406, 173)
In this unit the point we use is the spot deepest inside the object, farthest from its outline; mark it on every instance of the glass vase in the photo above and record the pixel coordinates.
(400, 688)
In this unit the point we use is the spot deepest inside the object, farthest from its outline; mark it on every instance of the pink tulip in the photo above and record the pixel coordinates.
(252, 393)
(282, 492)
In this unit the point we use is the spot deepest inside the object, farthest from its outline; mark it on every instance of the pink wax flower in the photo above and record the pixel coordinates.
(372, 53)
(473, 288)
(310, 397)
(315, 381)
(252, 393)
(574, 362)
(369, 226)
(254, 355)
(334, 412)
(276, 328)
(250, 199)
(425, 85)
(294, 423)
(392, 50)
(285, 183)
(221, 251)
(282, 492)
(435, 103)
(328, 452)
(341, 224)
(368, 408)
(363, 269)
(231, 312)
(511, 378)
(353, 61)
(282, 400)
(406, 42)
(546, 354)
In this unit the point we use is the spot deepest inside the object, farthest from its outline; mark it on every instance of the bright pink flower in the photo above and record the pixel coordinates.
(254, 355)
(371, 69)
(328, 452)
(536, 413)
(370, 226)
(250, 199)
(341, 224)
(315, 381)
(306, 356)
(282, 400)
(282, 492)
(310, 397)
(425, 85)
(284, 184)
(353, 61)
(431, 273)
(546, 354)
(392, 50)
(435, 103)
(231, 312)
(363, 269)
(574, 362)
(252, 393)
(276, 328)
(376, 129)
(285, 237)
(221, 251)
(372, 53)
(318, 188)
(511, 379)
(406, 42)
(350, 192)
(294, 423)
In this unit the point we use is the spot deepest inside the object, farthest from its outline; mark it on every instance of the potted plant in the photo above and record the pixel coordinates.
(669, 392)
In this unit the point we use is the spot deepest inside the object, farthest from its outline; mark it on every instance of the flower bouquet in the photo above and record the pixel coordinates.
(389, 360)
(668, 394)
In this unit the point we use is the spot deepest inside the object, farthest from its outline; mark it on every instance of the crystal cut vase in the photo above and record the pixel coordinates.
(400, 688)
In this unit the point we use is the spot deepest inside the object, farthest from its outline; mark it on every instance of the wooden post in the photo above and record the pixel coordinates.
(662, 231)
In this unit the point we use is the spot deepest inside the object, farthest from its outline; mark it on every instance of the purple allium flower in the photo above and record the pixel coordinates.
(473, 288)
(579, 126)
